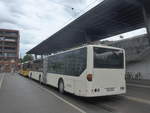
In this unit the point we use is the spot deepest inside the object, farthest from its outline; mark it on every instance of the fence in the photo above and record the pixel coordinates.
(133, 76)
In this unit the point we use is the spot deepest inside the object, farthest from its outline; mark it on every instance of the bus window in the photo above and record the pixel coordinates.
(72, 63)
(108, 58)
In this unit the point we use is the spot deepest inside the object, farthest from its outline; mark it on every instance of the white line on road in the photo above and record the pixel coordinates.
(1, 81)
(60, 98)
(138, 85)
(137, 99)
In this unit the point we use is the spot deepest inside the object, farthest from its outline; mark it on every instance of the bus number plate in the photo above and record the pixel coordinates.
(110, 89)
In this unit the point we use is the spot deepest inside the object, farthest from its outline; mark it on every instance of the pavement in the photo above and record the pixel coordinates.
(23, 95)
(20, 95)
(139, 82)
(1, 79)
(139, 88)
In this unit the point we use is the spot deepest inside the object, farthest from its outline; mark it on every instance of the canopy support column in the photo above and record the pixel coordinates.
(42, 57)
(146, 14)
(35, 57)
(87, 37)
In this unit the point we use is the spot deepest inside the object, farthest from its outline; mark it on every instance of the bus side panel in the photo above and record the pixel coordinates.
(53, 79)
(35, 75)
(80, 86)
(24, 73)
(69, 83)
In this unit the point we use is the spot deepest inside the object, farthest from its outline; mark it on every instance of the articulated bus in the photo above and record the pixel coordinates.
(37, 70)
(25, 68)
(88, 71)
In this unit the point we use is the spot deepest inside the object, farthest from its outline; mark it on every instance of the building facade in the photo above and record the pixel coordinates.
(137, 56)
(9, 50)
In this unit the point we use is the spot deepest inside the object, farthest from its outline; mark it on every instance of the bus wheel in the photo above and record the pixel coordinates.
(30, 75)
(61, 86)
(40, 79)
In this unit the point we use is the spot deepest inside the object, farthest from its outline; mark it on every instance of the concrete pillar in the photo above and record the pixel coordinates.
(146, 14)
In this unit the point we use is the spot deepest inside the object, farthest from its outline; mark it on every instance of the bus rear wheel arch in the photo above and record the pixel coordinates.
(61, 85)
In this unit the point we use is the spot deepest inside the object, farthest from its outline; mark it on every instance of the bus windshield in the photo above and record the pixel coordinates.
(108, 58)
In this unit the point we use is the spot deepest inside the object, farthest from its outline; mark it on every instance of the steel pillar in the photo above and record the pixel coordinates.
(146, 14)
(35, 57)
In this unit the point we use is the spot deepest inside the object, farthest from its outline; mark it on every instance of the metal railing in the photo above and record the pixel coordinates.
(133, 76)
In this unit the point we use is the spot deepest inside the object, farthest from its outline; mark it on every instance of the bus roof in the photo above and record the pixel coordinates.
(89, 45)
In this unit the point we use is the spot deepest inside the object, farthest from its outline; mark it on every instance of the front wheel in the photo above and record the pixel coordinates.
(61, 86)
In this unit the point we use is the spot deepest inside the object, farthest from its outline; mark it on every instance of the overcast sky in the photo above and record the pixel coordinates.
(38, 19)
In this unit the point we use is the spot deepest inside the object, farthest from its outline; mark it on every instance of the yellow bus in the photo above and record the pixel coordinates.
(25, 68)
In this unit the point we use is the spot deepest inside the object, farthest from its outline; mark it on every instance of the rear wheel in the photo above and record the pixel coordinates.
(61, 86)
(40, 79)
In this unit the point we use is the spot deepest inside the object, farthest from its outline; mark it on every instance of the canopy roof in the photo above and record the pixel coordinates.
(109, 18)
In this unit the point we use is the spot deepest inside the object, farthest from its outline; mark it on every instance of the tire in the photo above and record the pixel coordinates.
(40, 79)
(61, 86)
(30, 75)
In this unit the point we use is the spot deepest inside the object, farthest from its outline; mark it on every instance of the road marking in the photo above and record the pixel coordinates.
(1, 81)
(137, 99)
(60, 98)
(109, 108)
(138, 85)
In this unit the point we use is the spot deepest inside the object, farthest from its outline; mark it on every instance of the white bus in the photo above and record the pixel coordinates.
(36, 70)
(88, 71)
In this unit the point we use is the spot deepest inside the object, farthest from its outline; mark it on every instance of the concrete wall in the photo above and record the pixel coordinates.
(142, 66)
(133, 46)
(137, 55)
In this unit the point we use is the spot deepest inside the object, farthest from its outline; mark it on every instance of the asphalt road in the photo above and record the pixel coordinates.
(22, 95)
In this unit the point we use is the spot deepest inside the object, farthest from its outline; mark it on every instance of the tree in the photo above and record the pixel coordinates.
(26, 58)
(20, 60)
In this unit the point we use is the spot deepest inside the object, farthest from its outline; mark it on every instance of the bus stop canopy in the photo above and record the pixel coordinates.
(109, 18)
